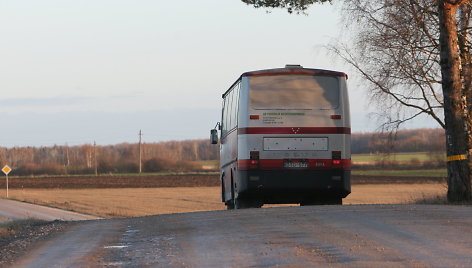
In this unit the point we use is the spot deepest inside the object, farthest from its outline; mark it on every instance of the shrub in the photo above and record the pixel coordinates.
(31, 168)
(105, 167)
(415, 162)
(127, 167)
(186, 166)
(158, 164)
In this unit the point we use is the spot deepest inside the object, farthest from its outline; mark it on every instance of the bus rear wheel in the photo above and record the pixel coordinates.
(246, 203)
(322, 201)
(229, 204)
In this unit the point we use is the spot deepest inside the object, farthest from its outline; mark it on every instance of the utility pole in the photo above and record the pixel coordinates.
(67, 159)
(95, 157)
(140, 151)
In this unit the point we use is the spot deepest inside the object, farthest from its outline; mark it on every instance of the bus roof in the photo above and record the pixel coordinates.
(293, 69)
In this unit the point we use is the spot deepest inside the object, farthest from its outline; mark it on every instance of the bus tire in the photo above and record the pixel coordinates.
(240, 204)
(229, 204)
(223, 190)
(323, 201)
(246, 203)
(336, 201)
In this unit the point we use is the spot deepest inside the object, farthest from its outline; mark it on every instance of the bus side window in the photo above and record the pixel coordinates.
(224, 129)
(230, 111)
(235, 106)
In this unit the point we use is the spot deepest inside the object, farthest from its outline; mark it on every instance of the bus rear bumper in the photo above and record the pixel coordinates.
(293, 186)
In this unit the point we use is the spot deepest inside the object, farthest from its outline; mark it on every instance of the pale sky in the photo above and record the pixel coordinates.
(81, 71)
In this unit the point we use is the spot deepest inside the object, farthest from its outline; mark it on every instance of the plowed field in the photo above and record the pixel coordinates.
(158, 181)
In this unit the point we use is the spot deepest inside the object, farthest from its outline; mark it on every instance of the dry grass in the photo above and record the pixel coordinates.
(394, 193)
(132, 202)
(125, 202)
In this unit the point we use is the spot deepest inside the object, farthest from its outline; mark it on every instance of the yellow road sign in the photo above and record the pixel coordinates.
(6, 169)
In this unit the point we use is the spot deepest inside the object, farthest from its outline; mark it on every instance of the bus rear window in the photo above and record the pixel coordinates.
(294, 92)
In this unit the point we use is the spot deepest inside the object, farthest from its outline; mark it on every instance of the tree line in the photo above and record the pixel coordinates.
(181, 155)
(119, 158)
(403, 141)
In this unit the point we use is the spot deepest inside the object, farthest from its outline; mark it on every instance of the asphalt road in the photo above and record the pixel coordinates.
(14, 210)
(318, 236)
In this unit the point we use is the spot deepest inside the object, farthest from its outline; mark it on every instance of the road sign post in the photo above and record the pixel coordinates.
(6, 169)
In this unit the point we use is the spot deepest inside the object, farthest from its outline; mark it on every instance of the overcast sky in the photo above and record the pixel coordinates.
(81, 71)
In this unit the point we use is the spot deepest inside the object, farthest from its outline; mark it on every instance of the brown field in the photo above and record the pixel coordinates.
(132, 202)
(112, 181)
(158, 181)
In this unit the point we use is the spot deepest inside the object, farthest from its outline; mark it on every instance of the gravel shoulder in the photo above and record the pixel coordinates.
(27, 225)
(76, 246)
(15, 243)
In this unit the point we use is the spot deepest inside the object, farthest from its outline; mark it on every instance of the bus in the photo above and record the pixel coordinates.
(285, 137)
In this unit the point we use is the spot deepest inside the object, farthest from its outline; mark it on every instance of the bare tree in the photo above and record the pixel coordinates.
(399, 51)
(410, 53)
(396, 50)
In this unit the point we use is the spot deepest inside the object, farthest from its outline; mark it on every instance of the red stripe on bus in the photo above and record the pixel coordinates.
(313, 164)
(294, 130)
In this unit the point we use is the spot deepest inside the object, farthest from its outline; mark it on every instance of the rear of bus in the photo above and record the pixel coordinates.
(294, 137)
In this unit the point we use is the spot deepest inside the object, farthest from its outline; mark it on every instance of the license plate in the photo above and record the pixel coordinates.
(295, 164)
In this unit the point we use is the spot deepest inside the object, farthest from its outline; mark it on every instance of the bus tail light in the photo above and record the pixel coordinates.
(254, 164)
(336, 116)
(336, 156)
(254, 160)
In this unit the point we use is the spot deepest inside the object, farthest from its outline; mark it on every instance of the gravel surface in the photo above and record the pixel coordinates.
(14, 244)
(312, 236)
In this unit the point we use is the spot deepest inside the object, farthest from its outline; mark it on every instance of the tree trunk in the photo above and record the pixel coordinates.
(466, 63)
(456, 140)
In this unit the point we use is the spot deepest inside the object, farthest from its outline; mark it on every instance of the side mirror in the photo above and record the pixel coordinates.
(213, 136)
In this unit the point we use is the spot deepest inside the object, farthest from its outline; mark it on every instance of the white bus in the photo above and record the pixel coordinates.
(285, 137)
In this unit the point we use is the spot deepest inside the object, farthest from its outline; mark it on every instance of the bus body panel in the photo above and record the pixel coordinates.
(228, 148)
(317, 158)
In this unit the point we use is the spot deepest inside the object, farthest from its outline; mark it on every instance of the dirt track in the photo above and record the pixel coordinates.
(319, 236)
